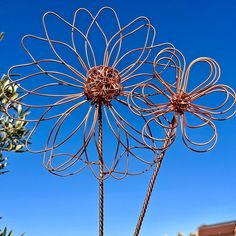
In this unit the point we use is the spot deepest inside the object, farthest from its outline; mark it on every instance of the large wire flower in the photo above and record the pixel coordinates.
(196, 104)
(81, 71)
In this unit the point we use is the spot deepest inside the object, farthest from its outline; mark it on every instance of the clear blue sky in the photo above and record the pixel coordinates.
(192, 189)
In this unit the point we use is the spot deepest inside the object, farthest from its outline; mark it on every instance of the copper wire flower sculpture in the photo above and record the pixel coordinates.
(169, 98)
(91, 78)
(87, 70)
(171, 95)
(79, 74)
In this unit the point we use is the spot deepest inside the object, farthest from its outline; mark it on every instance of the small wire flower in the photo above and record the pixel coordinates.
(197, 104)
(169, 99)
(80, 73)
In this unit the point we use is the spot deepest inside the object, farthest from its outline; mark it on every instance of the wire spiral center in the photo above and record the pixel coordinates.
(102, 85)
(181, 103)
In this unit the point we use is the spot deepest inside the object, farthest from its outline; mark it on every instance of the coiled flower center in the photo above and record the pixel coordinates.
(181, 103)
(102, 85)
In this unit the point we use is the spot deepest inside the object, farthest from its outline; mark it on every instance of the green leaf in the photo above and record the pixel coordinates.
(19, 147)
(4, 233)
(1, 35)
(19, 109)
(10, 233)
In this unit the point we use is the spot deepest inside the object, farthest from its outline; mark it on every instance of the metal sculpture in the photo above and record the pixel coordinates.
(171, 97)
(77, 81)
(55, 89)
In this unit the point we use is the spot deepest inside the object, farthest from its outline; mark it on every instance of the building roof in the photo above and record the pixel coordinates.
(222, 229)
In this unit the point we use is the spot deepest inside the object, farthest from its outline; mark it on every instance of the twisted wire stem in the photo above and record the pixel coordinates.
(101, 173)
(153, 178)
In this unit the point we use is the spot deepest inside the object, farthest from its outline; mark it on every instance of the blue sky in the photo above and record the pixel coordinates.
(192, 189)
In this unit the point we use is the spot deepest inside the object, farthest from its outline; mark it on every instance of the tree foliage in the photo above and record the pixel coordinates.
(5, 233)
(12, 131)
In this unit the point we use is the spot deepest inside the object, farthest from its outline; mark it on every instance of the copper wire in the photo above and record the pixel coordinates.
(55, 89)
(176, 100)
(179, 101)
(68, 77)
(136, 96)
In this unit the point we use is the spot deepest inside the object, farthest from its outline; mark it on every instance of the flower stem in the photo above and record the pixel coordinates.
(101, 173)
(153, 178)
